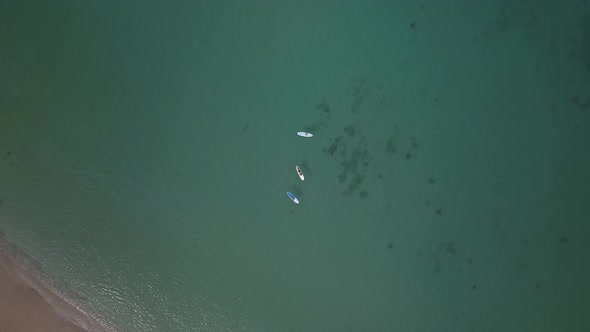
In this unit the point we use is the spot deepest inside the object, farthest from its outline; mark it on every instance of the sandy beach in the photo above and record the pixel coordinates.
(27, 305)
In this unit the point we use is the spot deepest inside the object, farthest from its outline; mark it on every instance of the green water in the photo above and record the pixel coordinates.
(146, 150)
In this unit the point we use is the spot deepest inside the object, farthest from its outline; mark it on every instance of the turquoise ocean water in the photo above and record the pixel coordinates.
(146, 149)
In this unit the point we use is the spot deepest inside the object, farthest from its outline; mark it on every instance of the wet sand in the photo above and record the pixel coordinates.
(27, 305)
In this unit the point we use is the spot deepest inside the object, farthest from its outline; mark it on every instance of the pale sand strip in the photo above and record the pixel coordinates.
(28, 305)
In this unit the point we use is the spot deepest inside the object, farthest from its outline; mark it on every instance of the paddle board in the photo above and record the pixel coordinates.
(304, 134)
(293, 198)
(300, 173)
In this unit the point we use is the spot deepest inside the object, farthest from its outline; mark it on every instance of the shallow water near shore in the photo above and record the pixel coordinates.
(146, 152)
(31, 302)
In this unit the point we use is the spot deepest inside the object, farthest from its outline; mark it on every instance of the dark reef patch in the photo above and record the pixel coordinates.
(324, 117)
(311, 129)
(414, 142)
(352, 153)
(350, 148)
(575, 99)
(450, 248)
(392, 142)
(324, 107)
(353, 185)
(298, 192)
(342, 177)
(359, 92)
(580, 102)
(563, 239)
(350, 130)
(334, 147)
(305, 166)
(436, 264)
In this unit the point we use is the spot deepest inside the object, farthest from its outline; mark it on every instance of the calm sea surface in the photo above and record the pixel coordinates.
(146, 149)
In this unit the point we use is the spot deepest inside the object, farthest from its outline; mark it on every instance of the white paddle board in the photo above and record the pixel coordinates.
(300, 173)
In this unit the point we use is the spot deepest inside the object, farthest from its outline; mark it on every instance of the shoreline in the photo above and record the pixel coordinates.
(28, 304)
